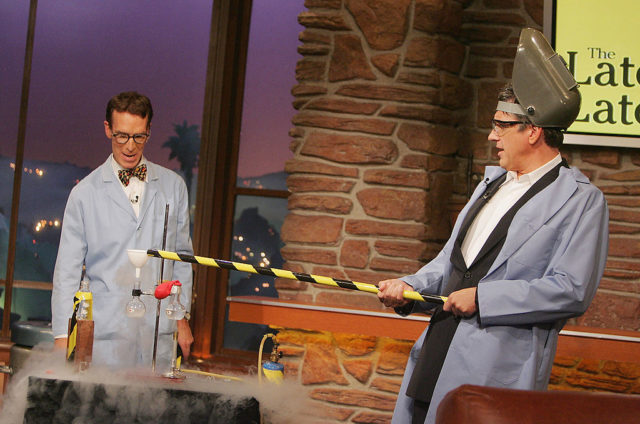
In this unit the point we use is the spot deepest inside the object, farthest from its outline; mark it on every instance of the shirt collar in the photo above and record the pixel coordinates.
(116, 166)
(531, 177)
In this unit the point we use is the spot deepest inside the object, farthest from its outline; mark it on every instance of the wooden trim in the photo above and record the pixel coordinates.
(5, 357)
(269, 311)
(262, 192)
(229, 362)
(24, 284)
(217, 167)
(17, 175)
(599, 343)
(583, 342)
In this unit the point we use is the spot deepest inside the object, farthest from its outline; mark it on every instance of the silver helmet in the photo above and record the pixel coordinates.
(547, 92)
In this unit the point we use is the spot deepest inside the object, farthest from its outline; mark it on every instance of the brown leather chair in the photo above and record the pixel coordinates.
(489, 405)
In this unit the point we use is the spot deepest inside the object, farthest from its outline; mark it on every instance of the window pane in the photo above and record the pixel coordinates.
(14, 18)
(267, 109)
(85, 52)
(256, 240)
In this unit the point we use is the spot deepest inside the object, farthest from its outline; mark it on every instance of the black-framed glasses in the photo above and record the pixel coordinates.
(123, 138)
(500, 126)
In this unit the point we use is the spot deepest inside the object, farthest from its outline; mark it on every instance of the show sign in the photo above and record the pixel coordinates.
(598, 40)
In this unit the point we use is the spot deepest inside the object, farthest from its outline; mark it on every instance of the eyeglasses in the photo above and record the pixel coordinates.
(123, 138)
(500, 126)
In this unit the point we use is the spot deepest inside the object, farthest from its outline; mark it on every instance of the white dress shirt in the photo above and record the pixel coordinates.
(135, 190)
(507, 195)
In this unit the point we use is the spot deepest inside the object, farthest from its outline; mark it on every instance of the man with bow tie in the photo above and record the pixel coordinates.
(119, 206)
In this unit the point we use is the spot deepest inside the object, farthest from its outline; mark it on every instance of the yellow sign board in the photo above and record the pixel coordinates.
(599, 41)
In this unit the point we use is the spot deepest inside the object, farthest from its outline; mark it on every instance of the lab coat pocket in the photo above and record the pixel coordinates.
(515, 347)
(496, 355)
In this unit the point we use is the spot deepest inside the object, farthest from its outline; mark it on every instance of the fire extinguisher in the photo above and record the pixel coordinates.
(272, 369)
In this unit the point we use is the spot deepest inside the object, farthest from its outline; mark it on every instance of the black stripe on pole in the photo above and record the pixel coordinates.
(345, 284)
(433, 298)
(265, 271)
(187, 258)
(154, 253)
(224, 264)
(304, 277)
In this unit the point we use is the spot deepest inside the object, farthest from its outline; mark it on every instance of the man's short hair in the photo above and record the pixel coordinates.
(552, 136)
(131, 102)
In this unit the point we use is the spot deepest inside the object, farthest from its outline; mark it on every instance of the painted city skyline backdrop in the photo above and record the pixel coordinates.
(87, 51)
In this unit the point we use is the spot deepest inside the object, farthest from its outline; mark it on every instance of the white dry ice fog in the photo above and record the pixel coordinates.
(138, 394)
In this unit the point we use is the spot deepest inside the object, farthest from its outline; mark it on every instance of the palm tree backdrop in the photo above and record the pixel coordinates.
(185, 147)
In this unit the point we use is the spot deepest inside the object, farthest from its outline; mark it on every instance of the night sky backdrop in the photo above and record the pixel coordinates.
(87, 51)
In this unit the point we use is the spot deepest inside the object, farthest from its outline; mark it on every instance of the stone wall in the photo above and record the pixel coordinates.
(350, 377)
(354, 378)
(571, 373)
(381, 102)
(394, 101)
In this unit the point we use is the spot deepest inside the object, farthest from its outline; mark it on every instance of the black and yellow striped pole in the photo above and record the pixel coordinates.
(274, 272)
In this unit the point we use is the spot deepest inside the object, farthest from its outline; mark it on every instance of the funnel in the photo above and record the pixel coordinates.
(138, 258)
(135, 307)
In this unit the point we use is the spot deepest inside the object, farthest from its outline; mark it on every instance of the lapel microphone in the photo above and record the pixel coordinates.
(134, 198)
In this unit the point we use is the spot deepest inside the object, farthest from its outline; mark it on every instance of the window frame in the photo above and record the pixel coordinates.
(218, 163)
(217, 188)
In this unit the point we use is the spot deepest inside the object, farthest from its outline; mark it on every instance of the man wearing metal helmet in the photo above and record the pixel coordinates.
(526, 253)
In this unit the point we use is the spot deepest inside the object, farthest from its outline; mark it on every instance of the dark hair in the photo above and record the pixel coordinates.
(552, 136)
(131, 102)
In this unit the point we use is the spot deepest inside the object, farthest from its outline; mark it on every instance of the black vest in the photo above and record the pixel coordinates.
(443, 324)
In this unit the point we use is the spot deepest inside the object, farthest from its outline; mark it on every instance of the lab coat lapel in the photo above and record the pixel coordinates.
(535, 213)
(114, 190)
(491, 174)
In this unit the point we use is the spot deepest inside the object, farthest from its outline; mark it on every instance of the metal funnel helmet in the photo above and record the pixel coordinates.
(547, 92)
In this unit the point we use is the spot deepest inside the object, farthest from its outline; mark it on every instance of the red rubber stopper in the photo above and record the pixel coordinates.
(164, 289)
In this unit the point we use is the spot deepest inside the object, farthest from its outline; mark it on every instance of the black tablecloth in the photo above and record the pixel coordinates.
(63, 401)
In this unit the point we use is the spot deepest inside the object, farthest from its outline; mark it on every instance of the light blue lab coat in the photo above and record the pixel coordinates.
(547, 271)
(98, 227)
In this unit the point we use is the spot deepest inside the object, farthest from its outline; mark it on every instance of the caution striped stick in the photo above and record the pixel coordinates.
(274, 272)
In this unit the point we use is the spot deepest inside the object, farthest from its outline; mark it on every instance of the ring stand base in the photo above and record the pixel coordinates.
(175, 374)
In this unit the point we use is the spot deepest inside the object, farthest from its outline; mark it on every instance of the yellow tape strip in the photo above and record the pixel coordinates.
(245, 267)
(284, 274)
(206, 261)
(324, 280)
